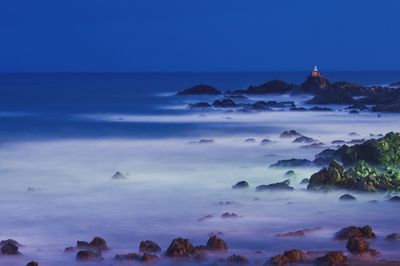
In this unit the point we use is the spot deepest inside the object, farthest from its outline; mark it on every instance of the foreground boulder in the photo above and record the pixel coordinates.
(354, 231)
(289, 257)
(334, 258)
(149, 246)
(9, 249)
(88, 255)
(200, 90)
(241, 185)
(180, 247)
(347, 197)
(215, 243)
(284, 185)
(97, 243)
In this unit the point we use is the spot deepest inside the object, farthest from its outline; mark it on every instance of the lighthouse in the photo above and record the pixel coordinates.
(315, 72)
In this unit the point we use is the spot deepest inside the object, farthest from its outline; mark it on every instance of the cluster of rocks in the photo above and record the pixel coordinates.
(10, 247)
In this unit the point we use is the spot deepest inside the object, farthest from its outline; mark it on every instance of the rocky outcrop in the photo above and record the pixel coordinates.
(88, 255)
(290, 163)
(290, 134)
(315, 84)
(289, 257)
(149, 246)
(9, 249)
(333, 258)
(304, 139)
(97, 244)
(331, 96)
(224, 103)
(273, 86)
(354, 231)
(284, 185)
(241, 185)
(200, 90)
(215, 243)
(180, 247)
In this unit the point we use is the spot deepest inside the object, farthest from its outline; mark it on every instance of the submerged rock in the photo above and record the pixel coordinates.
(290, 174)
(241, 185)
(149, 246)
(292, 163)
(32, 263)
(9, 249)
(347, 197)
(284, 185)
(333, 258)
(215, 243)
(393, 237)
(304, 139)
(200, 90)
(118, 175)
(229, 215)
(354, 231)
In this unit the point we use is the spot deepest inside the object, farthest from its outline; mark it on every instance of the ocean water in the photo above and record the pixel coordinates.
(65, 135)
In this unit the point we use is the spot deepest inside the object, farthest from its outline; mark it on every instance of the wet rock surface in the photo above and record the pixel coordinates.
(284, 185)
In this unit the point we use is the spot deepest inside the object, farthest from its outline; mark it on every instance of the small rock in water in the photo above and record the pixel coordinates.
(357, 245)
(275, 186)
(289, 257)
(347, 197)
(32, 263)
(333, 258)
(69, 249)
(88, 255)
(290, 134)
(10, 241)
(9, 249)
(97, 243)
(31, 189)
(354, 112)
(206, 141)
(302, 232)
(353, 231)
(129, 256)
(180, 247)
(241, 185)
(249, 140)
(149, 258)
(215, 243)
(305, 181)
(393, 237)
(265, 141)
(236, 260)
(226, 202)
(149, 246)
(290, 174)
(304, 139)
(352, 134)
(205, 218)
(118, 175)
(229, 215)
(395, 199)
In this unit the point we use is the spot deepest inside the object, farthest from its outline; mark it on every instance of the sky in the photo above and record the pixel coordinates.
(198, 35)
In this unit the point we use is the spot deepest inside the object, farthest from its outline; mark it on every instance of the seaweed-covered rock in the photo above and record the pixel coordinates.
(200, 90)
(215, 243)
(149, 246)
(333, 258)
(241, 185)
(284, 185)
(354, 231)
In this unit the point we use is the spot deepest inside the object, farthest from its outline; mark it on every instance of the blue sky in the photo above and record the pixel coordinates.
(198, 35)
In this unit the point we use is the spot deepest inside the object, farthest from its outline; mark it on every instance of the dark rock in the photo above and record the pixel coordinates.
(250, 140)
(118, 175)
(315, 84)
(149, 258)
(215, 243)
(149, 246)
(98, 243)
(265, 141)
(278, 260)
(357, 245)
(347, 197)
(241, 185)
(9, 249)
(395, 199)
(298, 109)
(285, 185)
(304, 139)
(200, 105)
(200, 90)
(353, 134)
(32, 263)
(229, 215)
(317, 145)
(292, 163)
(356, 141)
(180, 247)
(88, 255)
(289, 257)
(298, 233)
(206, 141)
(333, 258)
(305, 181)
(338, 142)
(354, 112)
(10, 241)
(290, 134)
(205, 218)
(225, 103)
(393, 236)
(320, 109)
(290, 174)
(236, 260)
(69, 249)
(332, 96)
(395, 84)
(273, 86)
(353, 231)
(129, 256)
(82, 244)
(358, 106)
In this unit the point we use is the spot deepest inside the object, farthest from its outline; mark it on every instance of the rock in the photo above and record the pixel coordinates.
(32, 263)
(129, 256)
(82, 244)
(9, 249)
(358, 106)
(69, 249)
(333, 258)
(353, 231)
(200, 105)
(88, 255)
(298, 233)
(200, 90)
(225, 103)
(98, 243)
(332, 96)
(249, 140)
(150, 258)
(180, 247)
(323, 109)
(206, 141)
(284, 185)
(395, 199)
(338, 142)
(304, 139)
(265, 141)
(298, 109)
(347, 197)
(290, 134)
(205, 218)
(10, 241)
(356, 141)
(215, 243)
(392, 237)
(292, 163)
(149, 246)
(289, 257)
(236, 260)
(229, 215)
(305, 181)
(357, 245)
(273, 86)
(118, 175)
(313, 146)
(290, 174)
(31, 189)
(326, 178)
(354, 112)
(315, 84)
(241, 185)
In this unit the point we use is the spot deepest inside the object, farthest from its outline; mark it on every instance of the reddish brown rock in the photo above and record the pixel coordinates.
(98, 243)
(334, 258)
(353, 231)
(236, 260)
(180, 247)
(149, 258)
(357, 245)
(289, 257)
(88, 255)
(215, 243)
(129, 256)
(149, 246)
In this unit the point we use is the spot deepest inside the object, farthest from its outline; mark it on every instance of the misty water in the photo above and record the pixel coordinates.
(69, 156)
